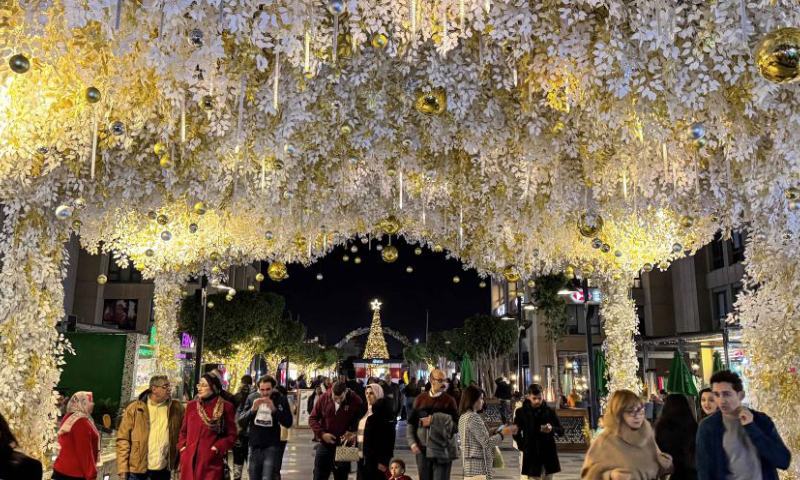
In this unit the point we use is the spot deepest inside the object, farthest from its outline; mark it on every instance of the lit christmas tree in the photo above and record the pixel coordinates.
(376, 344)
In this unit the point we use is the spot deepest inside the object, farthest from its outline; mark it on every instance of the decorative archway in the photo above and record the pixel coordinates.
(358, 332)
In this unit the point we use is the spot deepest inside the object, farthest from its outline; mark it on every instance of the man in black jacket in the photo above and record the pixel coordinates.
(264, 412)
(537, 425)
(503, 393)
(241, 447)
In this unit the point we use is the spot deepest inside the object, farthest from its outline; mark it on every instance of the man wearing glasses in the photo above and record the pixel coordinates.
(428, 420)
(147, 438)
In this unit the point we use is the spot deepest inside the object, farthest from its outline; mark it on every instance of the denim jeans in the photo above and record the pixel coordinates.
(262, 462)
(433, 468)
(324, 464)
(151, 475)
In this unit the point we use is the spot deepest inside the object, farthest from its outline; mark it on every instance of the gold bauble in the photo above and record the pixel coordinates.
(162, 219)
(391, 171)
(160, 149)
(432, 102)
(438, 248)
(207, 102)
(102, 279)
(792, 193)
(92, 95)
(379, 41)
(214, 257)
(259, 277)
(647, 267)
(559, 128)
(590, 225)
(165, 162)
(357, 260)
(19, 63)
(456, 279)
(139, 266)
(587, 269)
(346, 258)
(390, 254)
(569, 271)
(390, 225)
(277, 271)
(210, 304)
(76, 224)
(417, 251)
(409, 269)
(229, 297)
(482, 284)
(777, 56)
(251, 288)
(511, 274)
(346, 129)
(687, 221)
(200, 208)
(215, 270)
(531, 284)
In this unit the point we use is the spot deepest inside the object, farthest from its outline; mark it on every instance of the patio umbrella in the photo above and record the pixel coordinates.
(600, 373)
(680, 377)
(466, 371)
(718, 365)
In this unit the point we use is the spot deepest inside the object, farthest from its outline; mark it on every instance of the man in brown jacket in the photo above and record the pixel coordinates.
(148, 434)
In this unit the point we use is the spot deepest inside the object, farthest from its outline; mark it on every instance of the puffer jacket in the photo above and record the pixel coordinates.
(134, 431)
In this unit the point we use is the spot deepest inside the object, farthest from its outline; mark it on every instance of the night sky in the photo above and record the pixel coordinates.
(339, 303)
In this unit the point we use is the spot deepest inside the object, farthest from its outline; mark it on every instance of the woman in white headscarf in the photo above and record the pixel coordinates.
(376, 433)
(79, 440)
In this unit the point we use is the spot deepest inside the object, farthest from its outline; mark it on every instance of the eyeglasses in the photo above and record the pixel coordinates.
(166, 386)
(439, 380)
(635, 412)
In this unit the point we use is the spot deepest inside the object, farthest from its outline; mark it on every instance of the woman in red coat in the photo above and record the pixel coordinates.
(79, 440)
(208, 432)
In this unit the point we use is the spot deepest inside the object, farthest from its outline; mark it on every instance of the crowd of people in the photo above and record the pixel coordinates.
(355, 422)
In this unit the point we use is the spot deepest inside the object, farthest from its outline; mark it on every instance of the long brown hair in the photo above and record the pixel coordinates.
(620, 401)
(469, 397)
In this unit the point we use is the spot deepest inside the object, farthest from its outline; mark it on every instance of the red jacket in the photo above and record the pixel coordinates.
(79, 450)
(198, 440)
(325, 419)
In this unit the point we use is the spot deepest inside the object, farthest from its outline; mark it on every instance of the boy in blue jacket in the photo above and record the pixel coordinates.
(736, 442)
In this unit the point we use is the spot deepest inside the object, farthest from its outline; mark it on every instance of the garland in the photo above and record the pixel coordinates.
(167, 300)
(620, 324)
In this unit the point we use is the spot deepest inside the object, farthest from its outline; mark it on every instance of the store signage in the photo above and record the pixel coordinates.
(577, 296)
(187, 341)
(376, 360)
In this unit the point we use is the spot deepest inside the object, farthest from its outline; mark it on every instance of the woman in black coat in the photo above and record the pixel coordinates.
(676, 430)
(376, 435)
(15, 465)
(538, 426)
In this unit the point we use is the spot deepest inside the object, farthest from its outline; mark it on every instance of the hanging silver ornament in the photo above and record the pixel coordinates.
(605, 248)
(597, 243)
(364, 240)
(196, 38)
(192, 228)
(379, 247)
(269, 235)
(207, 102)
(354, 249)
(166, 235)
(336, 7)
(149, 252)
(288, 148)
(19, 63)
(319, 276)
(697, 130)
(63, 212)
(79, 203)
(118, 128)
(677, 247)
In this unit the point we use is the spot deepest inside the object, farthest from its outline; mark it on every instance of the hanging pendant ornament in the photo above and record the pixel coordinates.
(92, 95)
(63, 212)
(379, 41)
(196, 38)
(687, 221)
(417, 251)
(390, 225)
(118, 128)
(336, 8)
(166, 235)
(792, 193)
(277, 271)
(19, 63)
(432, 102)
(590, 225)
(183, 120)
(697, 130)
(390, 254)
(102, 279)
(199, 208)
(677, 247)
(400, 189)
(207, 102)
(511, 274)
(456, 279)
(777, 55)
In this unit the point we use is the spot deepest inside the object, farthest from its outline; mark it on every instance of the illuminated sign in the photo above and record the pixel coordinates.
(376, 360)
(187, 341)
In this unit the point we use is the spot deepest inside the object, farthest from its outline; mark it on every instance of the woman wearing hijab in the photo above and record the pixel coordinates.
(79, 440)
(376, 435)
(208, 432)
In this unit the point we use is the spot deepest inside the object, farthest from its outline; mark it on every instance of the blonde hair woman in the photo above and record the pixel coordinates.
(626, 450)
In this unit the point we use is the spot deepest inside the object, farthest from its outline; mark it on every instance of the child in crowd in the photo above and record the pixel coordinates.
(397, 470)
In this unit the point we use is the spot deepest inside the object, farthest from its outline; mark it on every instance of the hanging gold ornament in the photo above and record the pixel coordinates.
(210, 304)
(229, 297)
(160, 149)
(587, 269)
(390, 254)
(102, 279)
(199, 208)
(259, 277)
(438, 248)
(215, 270)
(647, 267)
(417, 251)
(277, 271)
(379, 41)
(531, 284)
(391, 171)
(165, 162)
(482, 284)
(19, 63)
(511, 274)
(559, 128)
(590, 225)
(409, 269)
(76, 224)
(251, 288)
(162, 219)
(432, 102)
(687, 221)
(792, 193)
(390, 225)
(663, 266)
(569, 271)
(346, 129)
(346, 258)
(357, 260)
(92, 95)
(207, 102)
(300, 242)
(456, 279)
(777, 55)
(214, 257)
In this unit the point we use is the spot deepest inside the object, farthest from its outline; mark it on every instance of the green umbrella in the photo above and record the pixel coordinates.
(680, 377)
(718, 366)
(466, 371)
(600, 378)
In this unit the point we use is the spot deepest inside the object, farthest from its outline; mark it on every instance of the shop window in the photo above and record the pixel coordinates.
(717, 252)
(721, 308)
(737, 247)
(123, 275)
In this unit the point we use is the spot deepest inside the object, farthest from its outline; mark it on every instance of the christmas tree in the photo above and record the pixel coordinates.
(376, 344)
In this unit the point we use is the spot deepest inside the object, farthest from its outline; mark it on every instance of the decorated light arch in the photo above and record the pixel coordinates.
(520, 137)
(359, 332)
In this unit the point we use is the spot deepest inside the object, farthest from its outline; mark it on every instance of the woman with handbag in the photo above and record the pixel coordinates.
(208, 432)
(626, 450)
(376, 435)
(477, 443)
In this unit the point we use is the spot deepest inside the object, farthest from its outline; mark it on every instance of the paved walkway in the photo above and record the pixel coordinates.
(298, 463)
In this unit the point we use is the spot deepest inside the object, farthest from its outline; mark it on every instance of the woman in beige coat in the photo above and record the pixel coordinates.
(626, 450)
